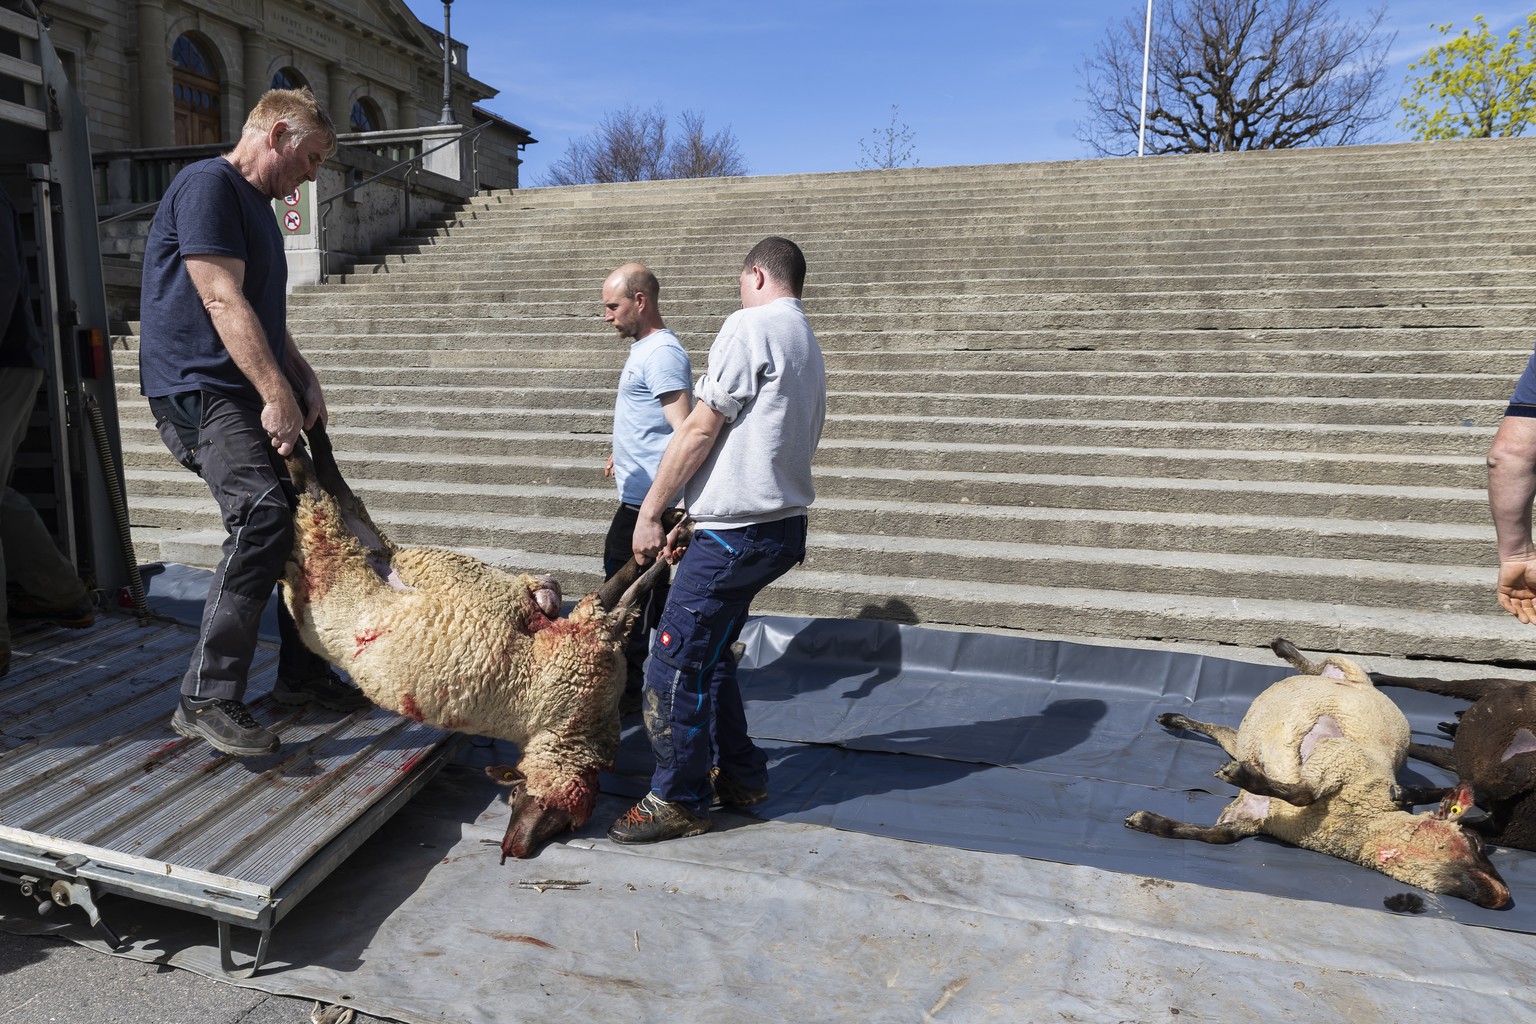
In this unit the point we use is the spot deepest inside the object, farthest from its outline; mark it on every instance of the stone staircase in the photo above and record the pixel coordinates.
(1215, 398)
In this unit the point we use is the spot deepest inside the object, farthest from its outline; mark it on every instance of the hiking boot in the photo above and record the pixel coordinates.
(654, 819)
(73, 616)
(326, 691)
(227, 725)
(730, 793)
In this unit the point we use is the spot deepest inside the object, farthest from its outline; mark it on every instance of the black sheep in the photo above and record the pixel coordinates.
(1493, 754)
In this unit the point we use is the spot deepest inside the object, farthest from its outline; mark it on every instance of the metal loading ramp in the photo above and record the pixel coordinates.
(99, 796)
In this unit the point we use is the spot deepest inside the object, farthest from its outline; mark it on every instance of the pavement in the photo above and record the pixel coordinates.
(44, 980)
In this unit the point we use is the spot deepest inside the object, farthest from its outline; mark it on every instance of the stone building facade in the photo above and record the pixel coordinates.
(171, 73)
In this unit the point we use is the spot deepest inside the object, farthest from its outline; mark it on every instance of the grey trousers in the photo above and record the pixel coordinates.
(29, 559)
(223, 442)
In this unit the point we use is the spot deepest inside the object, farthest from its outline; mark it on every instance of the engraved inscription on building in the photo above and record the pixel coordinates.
(286, 25)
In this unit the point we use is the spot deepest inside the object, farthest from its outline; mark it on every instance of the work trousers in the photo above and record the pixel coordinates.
(223, 442)
(618, 547)
(29, 559)
(693, 708)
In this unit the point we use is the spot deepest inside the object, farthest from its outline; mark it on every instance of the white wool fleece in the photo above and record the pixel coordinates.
(766, 376)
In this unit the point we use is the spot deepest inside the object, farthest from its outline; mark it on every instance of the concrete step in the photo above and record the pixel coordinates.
(538, 489)
(1329, 577)
(594, 387)
(850, 412)
(599, 366)
(1318, 625)
(1217, 398)
(896, 258)
(453, 318)
(840, 285)
(582, 526)
(984, 296)
(573, 459)
(476, 431)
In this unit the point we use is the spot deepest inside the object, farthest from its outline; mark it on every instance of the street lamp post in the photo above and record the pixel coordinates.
(447, 115)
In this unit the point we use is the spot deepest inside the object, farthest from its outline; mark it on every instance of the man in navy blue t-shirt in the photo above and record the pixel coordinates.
(221, 370)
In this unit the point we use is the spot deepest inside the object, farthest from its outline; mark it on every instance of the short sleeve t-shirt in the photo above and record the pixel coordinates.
(1523, 401)
(209, 210)
(657, 365)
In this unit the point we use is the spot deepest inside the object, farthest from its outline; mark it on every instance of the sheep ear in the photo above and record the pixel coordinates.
(504, 774)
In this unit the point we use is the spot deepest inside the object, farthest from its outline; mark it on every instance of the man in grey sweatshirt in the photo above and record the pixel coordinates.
(742, 460)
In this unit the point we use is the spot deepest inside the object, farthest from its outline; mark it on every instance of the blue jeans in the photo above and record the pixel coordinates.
(693, 710)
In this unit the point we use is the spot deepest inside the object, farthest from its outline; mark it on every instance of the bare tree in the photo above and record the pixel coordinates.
(698, 155)
(631, 145)
(1234, 75)
(888, 147)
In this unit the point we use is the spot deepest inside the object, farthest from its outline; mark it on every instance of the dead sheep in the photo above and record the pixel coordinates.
(1316, 757)
(1493, 755)
(445, 639)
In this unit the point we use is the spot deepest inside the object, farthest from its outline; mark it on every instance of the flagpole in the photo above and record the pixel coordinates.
(1146, 54)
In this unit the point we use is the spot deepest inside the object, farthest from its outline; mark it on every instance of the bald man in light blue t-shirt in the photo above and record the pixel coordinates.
(654, 398)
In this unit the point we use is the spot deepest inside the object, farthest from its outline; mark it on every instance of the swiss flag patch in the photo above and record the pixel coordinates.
(665, 639)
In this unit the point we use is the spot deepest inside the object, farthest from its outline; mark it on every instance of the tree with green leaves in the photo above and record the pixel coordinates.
(1474, 86)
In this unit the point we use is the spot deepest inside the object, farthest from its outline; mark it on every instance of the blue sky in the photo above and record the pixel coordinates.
(801, 83)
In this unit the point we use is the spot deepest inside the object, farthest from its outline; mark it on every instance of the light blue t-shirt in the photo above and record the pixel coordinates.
(657, 365)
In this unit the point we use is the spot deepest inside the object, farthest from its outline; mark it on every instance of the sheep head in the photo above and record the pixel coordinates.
(537, 818)
(1441, 856)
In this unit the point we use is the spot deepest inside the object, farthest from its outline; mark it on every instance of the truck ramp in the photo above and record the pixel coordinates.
(99, 797)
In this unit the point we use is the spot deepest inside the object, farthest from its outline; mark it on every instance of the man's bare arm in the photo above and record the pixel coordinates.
(1511, 489)
(218, 280)
(690, 446)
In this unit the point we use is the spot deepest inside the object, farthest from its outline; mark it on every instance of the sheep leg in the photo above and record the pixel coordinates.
(1222, 734)
(322, 460)
(1245, 776)
(1440, 757)
(1414, 796)
(1168, 828)
(1466, 689)
(634, 579)
(1288, 652)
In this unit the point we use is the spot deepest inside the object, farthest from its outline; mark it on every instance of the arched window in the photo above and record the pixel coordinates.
(366, 116)
(288, 78)
(195, 83)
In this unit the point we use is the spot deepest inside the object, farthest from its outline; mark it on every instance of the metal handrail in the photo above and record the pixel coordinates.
(413, 165)
(129, 213)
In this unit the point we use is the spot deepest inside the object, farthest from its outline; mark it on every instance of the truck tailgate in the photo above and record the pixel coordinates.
(97, 791)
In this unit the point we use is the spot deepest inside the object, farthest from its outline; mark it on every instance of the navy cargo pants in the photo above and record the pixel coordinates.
(693, 709)
(223, 442)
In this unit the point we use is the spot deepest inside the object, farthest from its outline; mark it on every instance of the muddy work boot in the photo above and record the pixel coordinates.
(654, 819)
(27, 608)
(730, 793)
(326, 691)
(227, 725)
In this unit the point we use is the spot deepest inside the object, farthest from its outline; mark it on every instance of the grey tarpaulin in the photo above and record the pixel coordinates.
(976, 869)
(1038, 748)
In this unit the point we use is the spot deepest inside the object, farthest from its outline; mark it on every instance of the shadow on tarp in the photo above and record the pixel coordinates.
(1006, 744)
(1037, 748)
